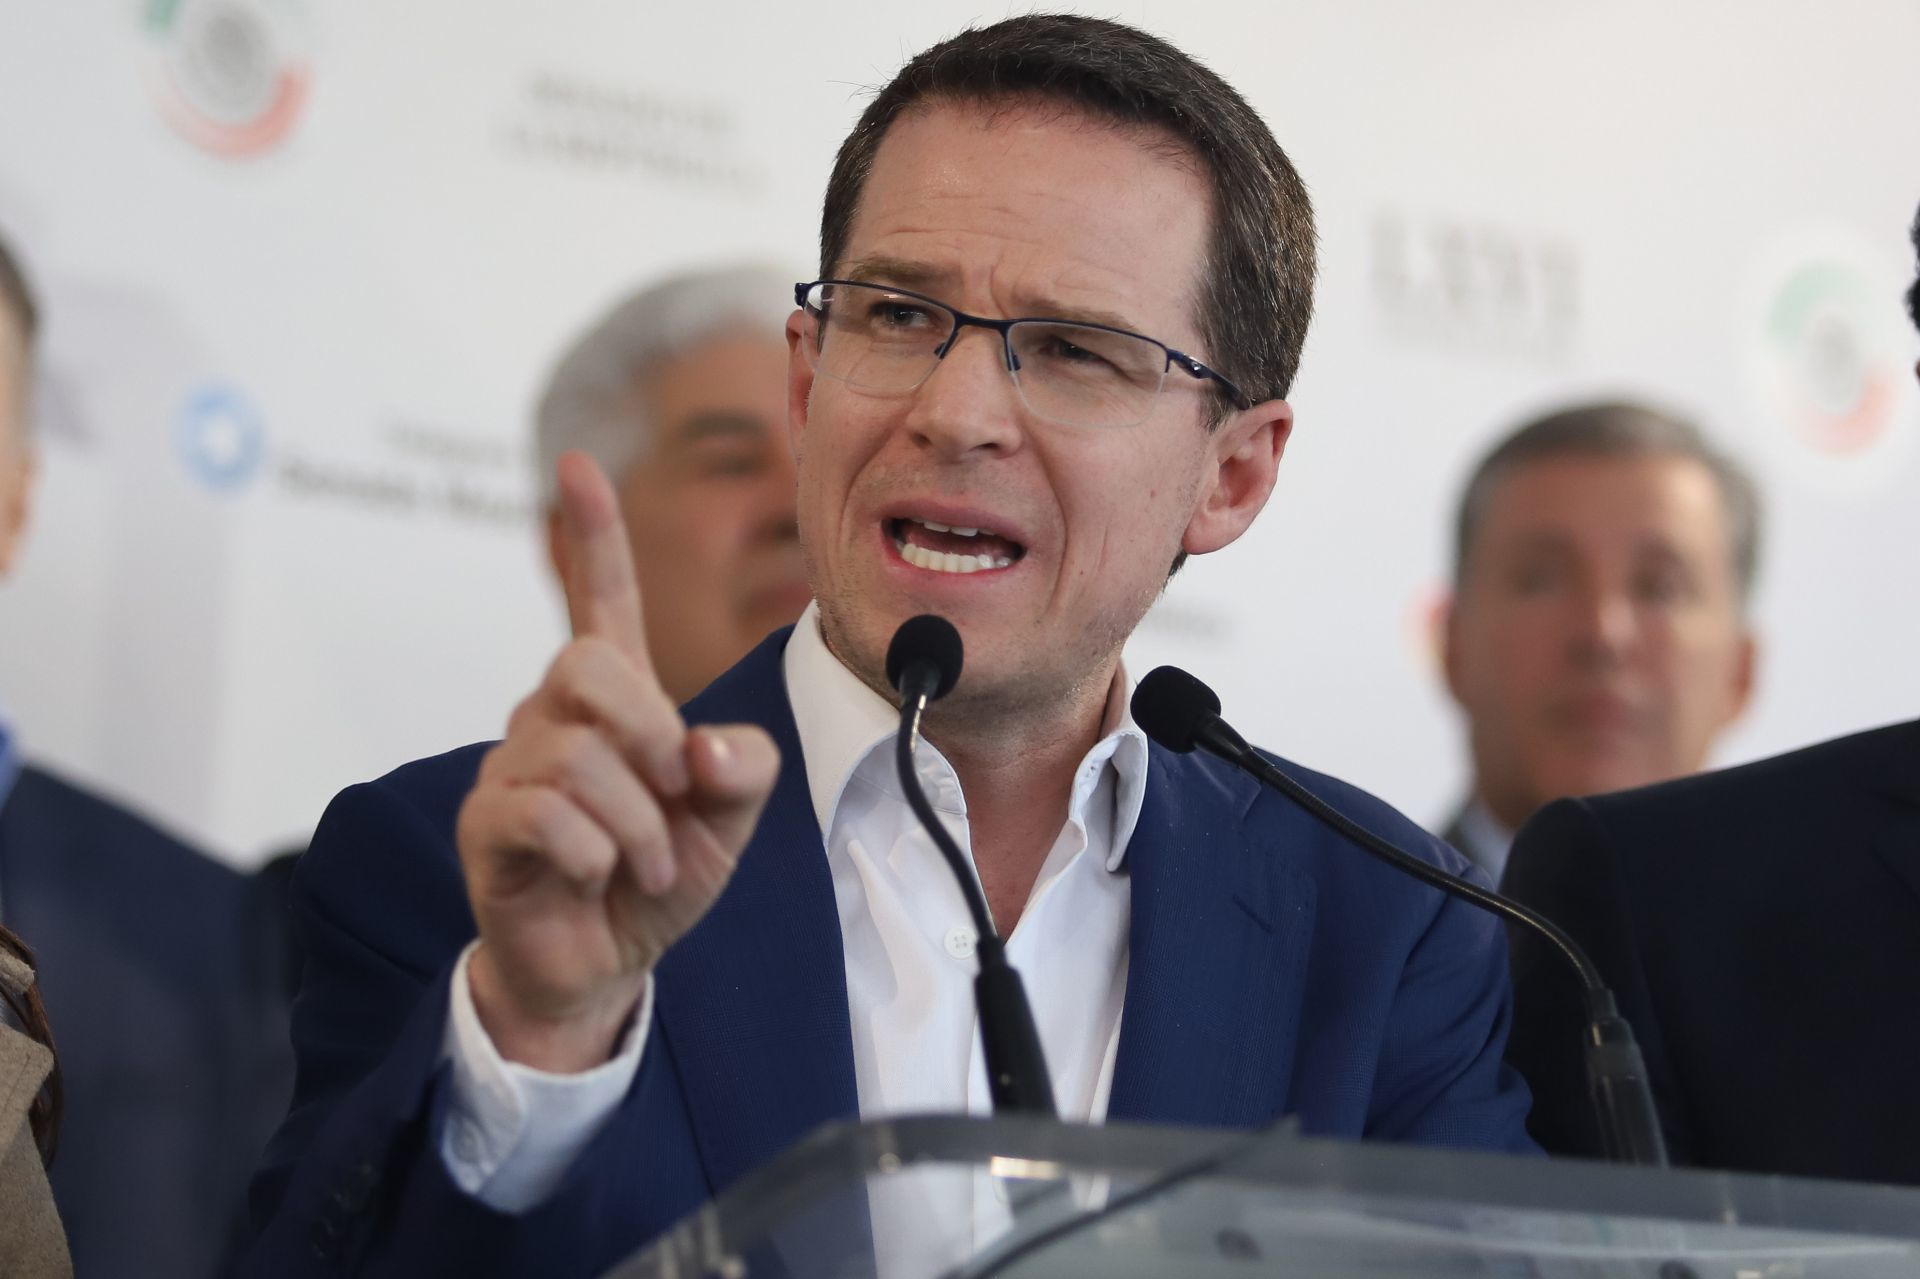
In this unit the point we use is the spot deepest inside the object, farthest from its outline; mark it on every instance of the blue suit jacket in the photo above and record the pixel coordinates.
(162, 971)
(1275, 970)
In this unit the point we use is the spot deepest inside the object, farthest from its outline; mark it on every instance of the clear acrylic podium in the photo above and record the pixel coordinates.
(1011, 1197)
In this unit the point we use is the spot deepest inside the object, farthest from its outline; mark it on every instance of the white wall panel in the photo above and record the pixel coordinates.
(285, 537)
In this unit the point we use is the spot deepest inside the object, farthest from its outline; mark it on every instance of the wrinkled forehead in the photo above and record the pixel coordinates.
(998, 119)
(1078, 203)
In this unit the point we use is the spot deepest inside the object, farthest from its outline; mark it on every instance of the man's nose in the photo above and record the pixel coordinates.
(969, 402)
(1608, 625)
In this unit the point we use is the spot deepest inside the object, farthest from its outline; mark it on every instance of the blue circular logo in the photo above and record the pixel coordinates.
(221, 438)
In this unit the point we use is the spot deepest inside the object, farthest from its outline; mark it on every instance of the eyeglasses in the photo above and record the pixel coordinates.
(890, 340)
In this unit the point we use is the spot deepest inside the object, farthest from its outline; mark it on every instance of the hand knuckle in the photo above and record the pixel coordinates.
(646, 828)
(577, 749)
(545, 815)
(563, 672)
(526, 716)
(661, 730)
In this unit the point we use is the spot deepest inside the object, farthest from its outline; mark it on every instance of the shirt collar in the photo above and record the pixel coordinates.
(1489, 840)
(842, 724)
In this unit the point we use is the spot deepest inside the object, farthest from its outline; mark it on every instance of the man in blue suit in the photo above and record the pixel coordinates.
(564, 988)
(162, 972)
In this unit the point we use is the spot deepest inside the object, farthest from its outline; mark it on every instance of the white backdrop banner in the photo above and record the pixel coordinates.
(304, 265)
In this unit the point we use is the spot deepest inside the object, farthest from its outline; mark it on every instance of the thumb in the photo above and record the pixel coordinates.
(732, 768)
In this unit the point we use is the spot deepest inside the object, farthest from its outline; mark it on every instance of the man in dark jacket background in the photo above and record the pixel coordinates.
(1761, 927)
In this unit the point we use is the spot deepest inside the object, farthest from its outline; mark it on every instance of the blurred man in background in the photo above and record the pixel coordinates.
(1761, 929)
(158, 965)
(680, 393)
(1598, 637)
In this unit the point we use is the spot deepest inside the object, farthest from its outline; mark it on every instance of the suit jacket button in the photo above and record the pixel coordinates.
(352, 1197)
(325, 1237)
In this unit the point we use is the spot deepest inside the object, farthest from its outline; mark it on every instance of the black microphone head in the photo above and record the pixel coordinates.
(1172, 707)
(930, 640)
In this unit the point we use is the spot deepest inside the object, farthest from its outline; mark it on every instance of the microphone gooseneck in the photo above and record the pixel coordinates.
(923, 665)
(1182, 714)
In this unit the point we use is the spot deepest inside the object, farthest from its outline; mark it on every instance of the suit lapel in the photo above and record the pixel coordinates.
(753, 1001)
(1218, 943)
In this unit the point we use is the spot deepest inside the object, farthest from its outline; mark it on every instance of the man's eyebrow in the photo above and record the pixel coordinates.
(896, 271)
(1660, 548)
(1041, 308)
(925, 279)
(721, 426)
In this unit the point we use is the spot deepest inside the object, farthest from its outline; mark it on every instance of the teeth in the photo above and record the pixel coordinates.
(947, 561)
(947, 528)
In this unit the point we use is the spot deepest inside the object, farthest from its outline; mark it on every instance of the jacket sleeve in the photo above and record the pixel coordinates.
(1564, 865)
(352, 1181)
(1442, 1080)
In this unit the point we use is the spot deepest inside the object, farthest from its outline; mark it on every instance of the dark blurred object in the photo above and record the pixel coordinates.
(164, 971)
(273, 886)
(1761, 927)
(31, 1240)
(20, 992)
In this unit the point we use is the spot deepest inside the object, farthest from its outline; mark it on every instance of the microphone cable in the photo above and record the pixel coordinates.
(923, 665)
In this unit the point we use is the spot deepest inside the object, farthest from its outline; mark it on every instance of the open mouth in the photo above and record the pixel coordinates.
(944, 548)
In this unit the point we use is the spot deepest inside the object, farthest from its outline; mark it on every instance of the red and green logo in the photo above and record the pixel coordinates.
(1834, 357)
(231, 76)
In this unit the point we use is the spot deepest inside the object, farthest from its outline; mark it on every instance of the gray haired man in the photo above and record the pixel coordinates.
(1598, 639)
(679, 391)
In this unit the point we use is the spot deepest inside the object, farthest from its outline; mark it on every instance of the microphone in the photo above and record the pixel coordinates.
(923, 665)
(1182, 714)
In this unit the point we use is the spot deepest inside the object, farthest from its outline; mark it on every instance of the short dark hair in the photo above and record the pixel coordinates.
(16, 296)
(1257, 294)
(1913, 293)
(1618, 430)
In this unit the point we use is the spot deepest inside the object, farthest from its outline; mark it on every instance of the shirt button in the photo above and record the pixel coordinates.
(960, 942)
(466, 1147)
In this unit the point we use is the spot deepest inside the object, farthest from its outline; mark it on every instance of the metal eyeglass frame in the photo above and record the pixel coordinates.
(1175, 359)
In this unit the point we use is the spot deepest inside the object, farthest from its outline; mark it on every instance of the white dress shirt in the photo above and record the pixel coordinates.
(512, 1131)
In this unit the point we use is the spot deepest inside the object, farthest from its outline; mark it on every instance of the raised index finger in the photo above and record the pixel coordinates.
(603, 593)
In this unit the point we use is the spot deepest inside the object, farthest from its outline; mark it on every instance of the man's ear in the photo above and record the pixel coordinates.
(1746, 668)
(1446, 639)
(16, 503)
(1244, 460)
(799, 378)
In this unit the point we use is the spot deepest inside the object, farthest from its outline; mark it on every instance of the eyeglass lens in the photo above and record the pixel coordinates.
(880, 340)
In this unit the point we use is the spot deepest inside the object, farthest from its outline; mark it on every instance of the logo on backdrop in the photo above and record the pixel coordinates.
(420, 469)
(230, 76)
(220, 437)
(1835, 373)
(1469, 284)
(1831, 364)
(562, 117)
